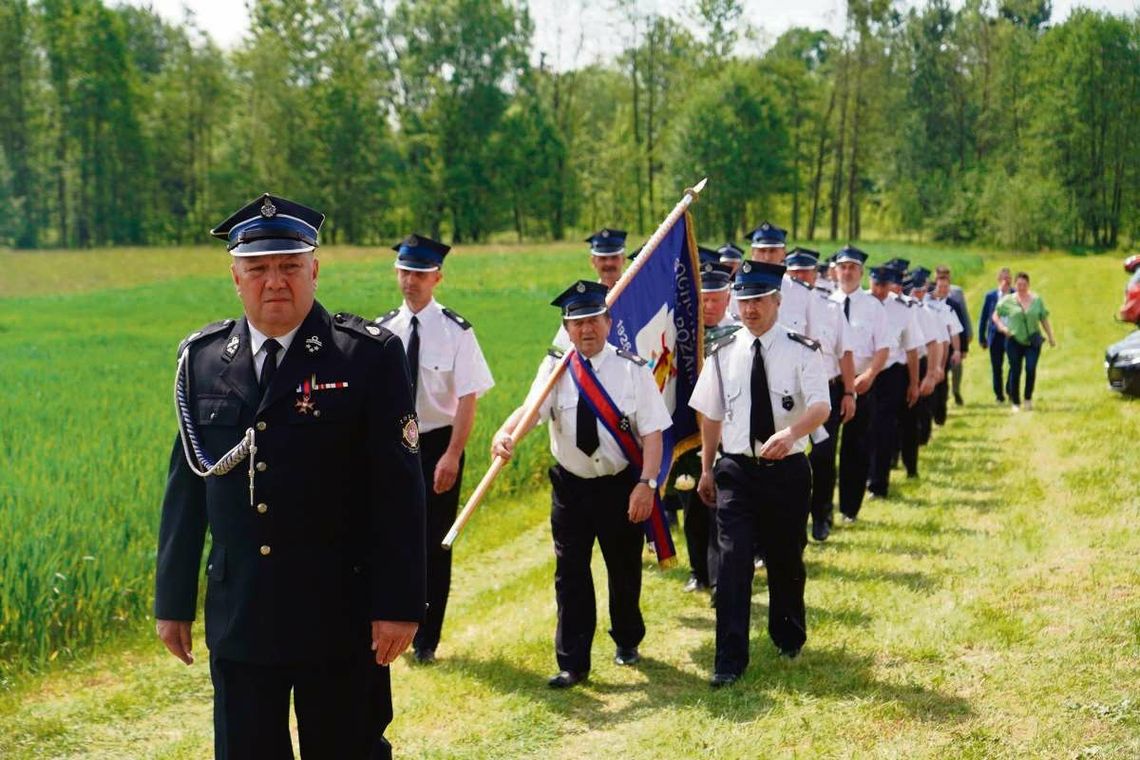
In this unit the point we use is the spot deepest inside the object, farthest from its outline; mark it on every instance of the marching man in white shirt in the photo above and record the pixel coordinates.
(760, 394)
(870, 346)
(448, 374)
(606, 421)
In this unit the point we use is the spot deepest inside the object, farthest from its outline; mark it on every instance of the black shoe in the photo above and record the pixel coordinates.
(694, 584)
(847, 519)
(820, 530)
(425, 656)
(627, 656)
(789, 654)
(720, 680)
(564, 679)
(912, 474)
(958, 399)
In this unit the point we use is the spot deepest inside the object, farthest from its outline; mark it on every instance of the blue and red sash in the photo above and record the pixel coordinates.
(617, 425)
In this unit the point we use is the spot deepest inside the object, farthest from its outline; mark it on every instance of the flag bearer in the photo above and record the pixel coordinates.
(605, 413)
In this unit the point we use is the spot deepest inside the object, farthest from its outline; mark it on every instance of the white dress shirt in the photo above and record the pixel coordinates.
(932, 325)
(949, 317)
(869, 329)
(451, 364)
(796, 306)
(906, 334)
(795, 381)
(257, 342)
(832, 332)
(631, 386)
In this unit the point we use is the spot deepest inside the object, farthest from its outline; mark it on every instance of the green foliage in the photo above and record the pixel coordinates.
(119, 128)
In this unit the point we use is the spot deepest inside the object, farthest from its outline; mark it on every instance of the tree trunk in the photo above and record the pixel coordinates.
(817, 178)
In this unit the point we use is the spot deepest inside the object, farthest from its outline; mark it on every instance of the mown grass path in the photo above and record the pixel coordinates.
(990, 608)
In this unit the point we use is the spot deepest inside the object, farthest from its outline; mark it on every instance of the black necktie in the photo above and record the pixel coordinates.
(847, 308)
(269, 368)
(587, 426)
(761, 425)
(414, 355)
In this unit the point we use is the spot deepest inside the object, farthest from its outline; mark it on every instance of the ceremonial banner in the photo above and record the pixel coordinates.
(658, 317)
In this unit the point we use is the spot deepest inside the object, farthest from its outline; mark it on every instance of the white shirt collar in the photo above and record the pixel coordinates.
(431, 308)
(766, 339)
(257, 338)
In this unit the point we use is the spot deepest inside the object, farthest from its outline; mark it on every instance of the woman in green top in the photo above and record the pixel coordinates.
(1021, 316)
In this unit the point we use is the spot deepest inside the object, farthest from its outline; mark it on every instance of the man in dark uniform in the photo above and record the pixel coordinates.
(315, 577)
(760, 394)
(449, 374)
(598, 494)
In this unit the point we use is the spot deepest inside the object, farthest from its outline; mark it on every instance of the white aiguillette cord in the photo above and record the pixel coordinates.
(199, 462)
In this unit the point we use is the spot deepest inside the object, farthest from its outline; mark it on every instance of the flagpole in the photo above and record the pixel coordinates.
(530, 413)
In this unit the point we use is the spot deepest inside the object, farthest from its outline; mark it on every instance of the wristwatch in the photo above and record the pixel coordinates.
(852, 394)
(651, 482)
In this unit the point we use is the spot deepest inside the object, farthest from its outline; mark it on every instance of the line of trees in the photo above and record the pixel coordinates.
(984, 123)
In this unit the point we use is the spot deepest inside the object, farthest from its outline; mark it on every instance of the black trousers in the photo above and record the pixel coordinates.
(822, 459)
(582, 510)
(997, 362)
(910, 420)
(700, 538)
(700, 527)
(941, 391)
(342, 709)
(890, 401)
(855, 454)
(760, 503)
(441, 510)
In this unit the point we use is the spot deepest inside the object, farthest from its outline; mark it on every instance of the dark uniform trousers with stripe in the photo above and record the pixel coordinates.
(760, 503)
(441, 511)
(582, 510)
(910, 422)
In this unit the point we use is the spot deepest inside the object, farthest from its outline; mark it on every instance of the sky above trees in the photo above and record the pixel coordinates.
(560, 26)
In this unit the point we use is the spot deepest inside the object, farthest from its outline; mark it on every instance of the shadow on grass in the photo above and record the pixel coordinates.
(911, 579)
(828, 673)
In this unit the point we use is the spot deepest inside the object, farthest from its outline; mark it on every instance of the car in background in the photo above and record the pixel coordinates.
(1122, 359)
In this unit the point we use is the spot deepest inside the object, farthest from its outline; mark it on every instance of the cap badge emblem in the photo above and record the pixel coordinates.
(413, 241)
(580, 288)
(746, 266)
(268, 209)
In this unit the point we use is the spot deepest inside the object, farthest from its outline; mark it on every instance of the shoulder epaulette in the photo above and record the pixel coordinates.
(357, 324)
(387, 317)
(555, 353)
(801, 283)
(803, 339)
(721, 343)
(456, 318)
(210, 329)
(631, 357)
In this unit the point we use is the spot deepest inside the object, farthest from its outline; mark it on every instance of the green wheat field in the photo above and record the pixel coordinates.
(990, 608)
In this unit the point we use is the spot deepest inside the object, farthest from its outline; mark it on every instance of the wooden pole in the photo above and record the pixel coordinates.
(531, 411)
